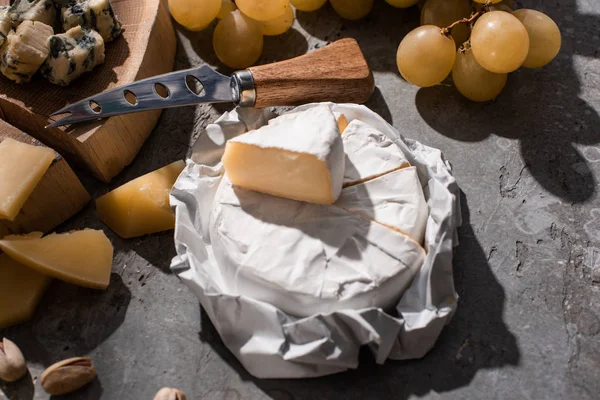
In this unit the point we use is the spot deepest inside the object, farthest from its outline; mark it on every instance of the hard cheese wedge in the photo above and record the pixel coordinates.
(80, 257)
(370, 153)
(22, 166)
(395, 200)
(298, 156)
(307, 258)
(141, 206)
(21, 290)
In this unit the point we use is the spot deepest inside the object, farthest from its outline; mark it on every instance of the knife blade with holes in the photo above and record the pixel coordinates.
(338, 73)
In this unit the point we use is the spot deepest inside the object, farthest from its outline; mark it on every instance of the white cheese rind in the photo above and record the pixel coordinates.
(369, 153)
(24, 51)
(395, 200)
(93, 14)
(312, 132)
(305, 258)
(33, 10)
(72, 54)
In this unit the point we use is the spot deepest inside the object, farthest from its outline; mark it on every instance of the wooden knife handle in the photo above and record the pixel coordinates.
(338, 73)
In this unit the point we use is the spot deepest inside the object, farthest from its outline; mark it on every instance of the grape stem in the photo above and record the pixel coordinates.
(448, 30)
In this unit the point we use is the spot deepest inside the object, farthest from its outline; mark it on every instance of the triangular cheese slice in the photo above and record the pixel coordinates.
(80, 257)
(297, 156)
(22, 167)
(369, 153)
(395, 200)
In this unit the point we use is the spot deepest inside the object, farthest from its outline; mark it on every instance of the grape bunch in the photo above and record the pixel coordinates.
(492, 40)
(238, 36)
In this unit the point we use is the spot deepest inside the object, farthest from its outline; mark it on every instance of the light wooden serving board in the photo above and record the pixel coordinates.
(56, 198)
(146, 48)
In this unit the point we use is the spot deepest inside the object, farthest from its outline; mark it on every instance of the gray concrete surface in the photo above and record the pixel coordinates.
(527, 268)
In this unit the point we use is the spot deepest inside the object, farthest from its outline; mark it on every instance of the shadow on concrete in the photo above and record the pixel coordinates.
(23, 389)
(71, 321)
(93, 391)
(547, 110)
(476, 338)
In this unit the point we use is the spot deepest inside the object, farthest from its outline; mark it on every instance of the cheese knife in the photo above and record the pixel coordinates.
(338, 73)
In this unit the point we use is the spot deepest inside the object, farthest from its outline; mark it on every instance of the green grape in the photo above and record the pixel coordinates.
(425, 56)
(352, 9)
(279, 25)
(238, 40)
(194, 15)
(504, 5)
(263, 10)
(500, 42)
(227, 6)
(544, 37)
(442, 13)
(308, 5)
(473, 81)
(402, 3)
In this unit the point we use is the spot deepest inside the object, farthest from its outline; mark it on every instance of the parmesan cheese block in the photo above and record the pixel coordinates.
(73, 53)
(306, 258)
(298, 156)
(25, 51)
(5, 24)
(80, 257)
(32, 10)
(22, 166)
(369, 153)
(395, 200)
(21, 290)
(92, 14)
(141, 206)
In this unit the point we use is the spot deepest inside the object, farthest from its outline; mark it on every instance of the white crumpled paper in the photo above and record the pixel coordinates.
(272, 344)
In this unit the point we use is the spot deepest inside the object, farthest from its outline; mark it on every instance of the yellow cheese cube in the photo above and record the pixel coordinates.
(21, 290)
(80, 257)
(22, 166)
(141, 206)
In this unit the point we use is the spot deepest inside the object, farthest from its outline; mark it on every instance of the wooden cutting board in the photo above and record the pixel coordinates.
(146, 48)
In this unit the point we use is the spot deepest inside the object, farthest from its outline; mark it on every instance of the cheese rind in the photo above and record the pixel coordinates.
(80, 257)
(32, 10)
(22, 166)
(334, 259)
(141, 206)
(21, 290)
(24, 51)
(298, 156)
(92, 14)
(395, 200)
(369, 153)
(73, 53)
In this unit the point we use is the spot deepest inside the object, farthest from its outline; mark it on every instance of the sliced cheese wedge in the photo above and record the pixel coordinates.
(369, 153)
(306, 258)
(80, 257)
(342, 122)
(395, 200)
(297, 156)
(22, 166)
(141, 206)
(21, 290)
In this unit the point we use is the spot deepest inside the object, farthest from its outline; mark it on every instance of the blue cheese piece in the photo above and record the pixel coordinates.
(93, 14)
(73, 53)
(32, 10)
(25, 51)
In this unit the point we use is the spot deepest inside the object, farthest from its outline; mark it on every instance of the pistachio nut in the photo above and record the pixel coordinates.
(68, 375)
(12, 363)
(170, 394)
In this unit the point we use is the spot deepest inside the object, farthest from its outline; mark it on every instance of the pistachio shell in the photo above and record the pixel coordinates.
(68, 375)
(12, 363)
(170, 394)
